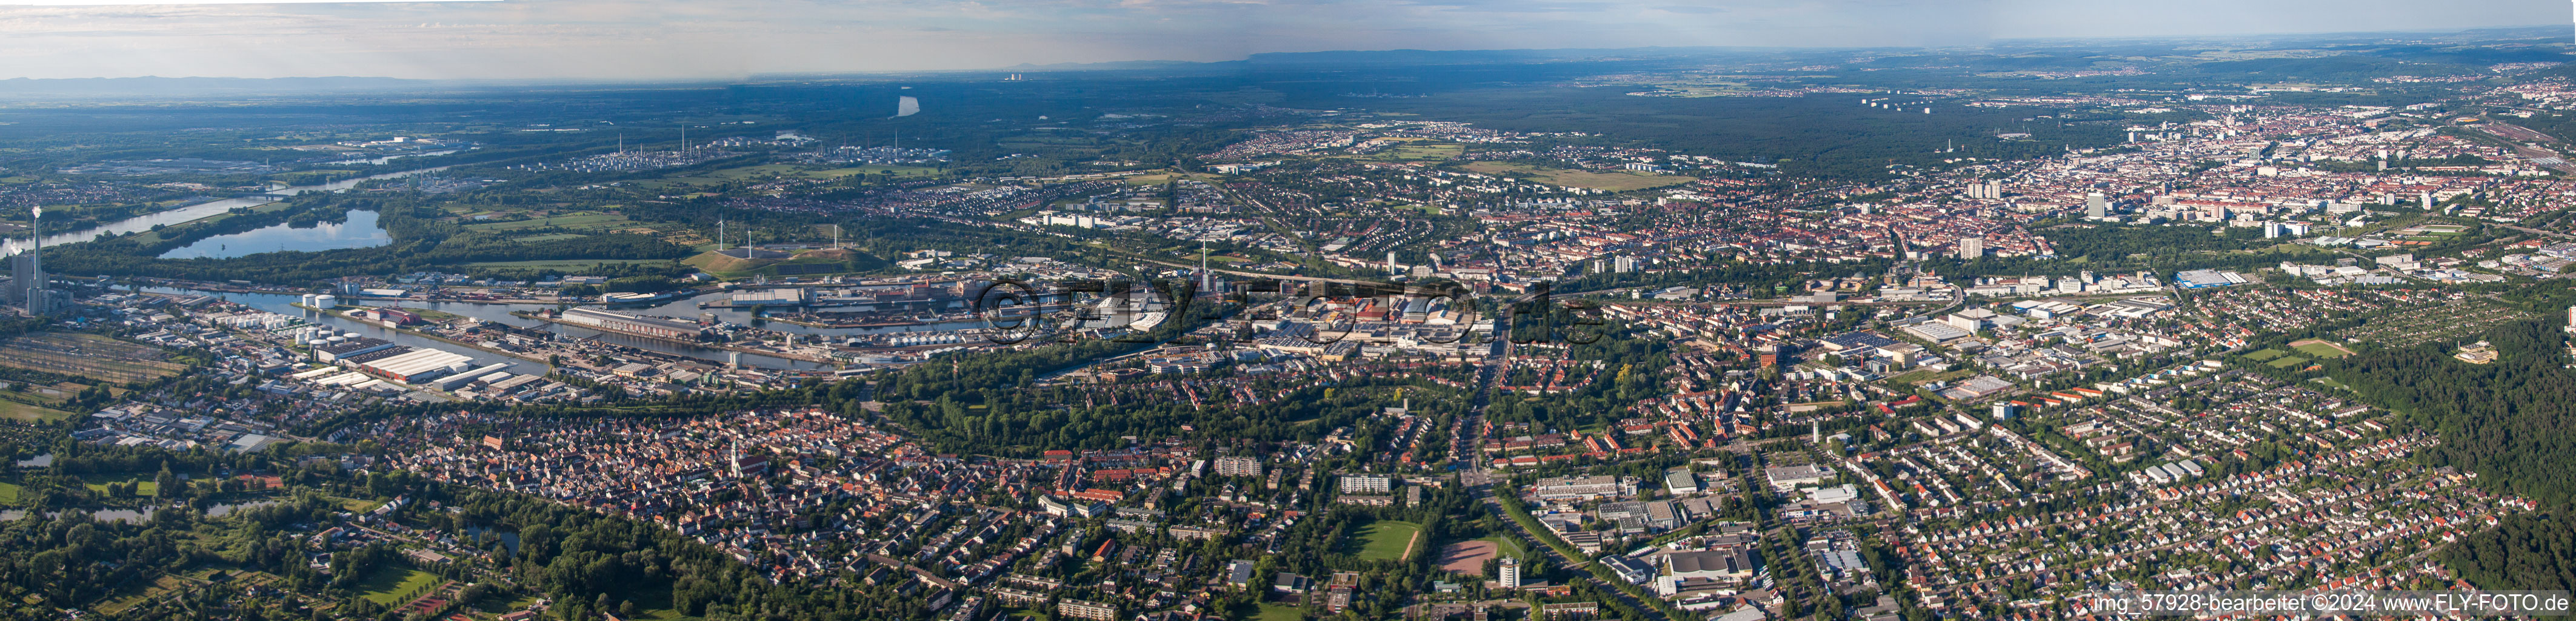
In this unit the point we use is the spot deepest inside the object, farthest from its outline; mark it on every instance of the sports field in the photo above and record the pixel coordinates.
(1385, 540)
(2320, 349)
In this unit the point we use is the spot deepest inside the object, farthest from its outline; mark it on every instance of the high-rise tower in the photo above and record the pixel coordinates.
(27, 270)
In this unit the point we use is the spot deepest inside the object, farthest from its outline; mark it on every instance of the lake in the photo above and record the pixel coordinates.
(360, 230)
(145, 222)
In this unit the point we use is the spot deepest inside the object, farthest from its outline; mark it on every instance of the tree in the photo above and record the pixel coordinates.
(163, 482)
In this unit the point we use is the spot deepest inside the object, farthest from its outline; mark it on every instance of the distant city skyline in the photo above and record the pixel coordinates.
(663, 39)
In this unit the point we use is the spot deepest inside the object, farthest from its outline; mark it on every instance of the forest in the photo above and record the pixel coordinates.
(2513, 423)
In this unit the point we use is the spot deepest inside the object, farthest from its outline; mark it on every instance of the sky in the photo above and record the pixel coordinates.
(724, 39)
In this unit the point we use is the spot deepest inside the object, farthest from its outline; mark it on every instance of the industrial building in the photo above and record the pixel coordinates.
(790, 296)
(336, 348)
(2201, 279)
(414, 365)
(614, 321)
(482, 374)
(389, 316)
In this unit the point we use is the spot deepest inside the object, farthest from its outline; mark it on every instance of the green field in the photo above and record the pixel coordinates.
(2288, 362)
(563, 264)
(1420, 151)
(2266, 353)
(575, 220)
(145, 486)
(9, 493)
(1511, 546)
(1275, 612)
(2320, 349)
(396, 584)
(1385, 540)
(1619, 181)
(548, 237)
(29, 412)
(898, 171)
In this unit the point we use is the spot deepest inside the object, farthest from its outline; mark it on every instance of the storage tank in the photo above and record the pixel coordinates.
(317, 342)
(337, 339)
(325, 301)
(351, 334)
(306, 299)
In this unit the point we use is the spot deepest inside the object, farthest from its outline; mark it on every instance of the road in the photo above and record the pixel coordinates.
(1479, 480)
(2538, 231)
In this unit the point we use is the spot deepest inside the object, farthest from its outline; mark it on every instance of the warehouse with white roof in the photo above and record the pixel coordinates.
(416, 365)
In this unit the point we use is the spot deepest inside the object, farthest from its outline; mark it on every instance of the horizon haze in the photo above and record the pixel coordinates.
(656, 40)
